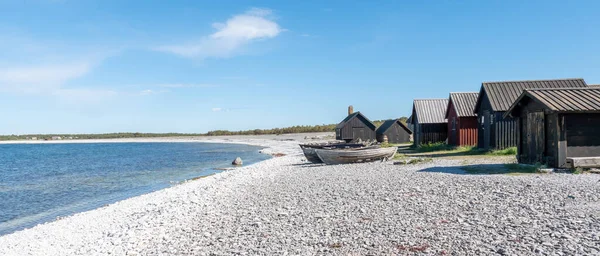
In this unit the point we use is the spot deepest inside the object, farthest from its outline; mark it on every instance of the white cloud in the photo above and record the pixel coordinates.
(40, 78)
(147, 92)
(217, 109)
(188, 85)
(230, 36)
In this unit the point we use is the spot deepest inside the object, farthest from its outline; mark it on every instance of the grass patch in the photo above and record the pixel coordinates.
(503, 152)
(399, 156)
(413, 161)
(522, 168)
(388, 145)
(431, 147)
(508, 169)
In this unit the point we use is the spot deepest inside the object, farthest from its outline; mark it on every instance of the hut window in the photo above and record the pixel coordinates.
(454, 123)
(491, 119)
(482, 120)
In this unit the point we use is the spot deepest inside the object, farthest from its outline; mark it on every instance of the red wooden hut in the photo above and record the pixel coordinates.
(462, 121)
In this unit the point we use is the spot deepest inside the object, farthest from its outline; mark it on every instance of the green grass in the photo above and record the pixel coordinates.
(389, 145)
(404, 161)
(431, 147)
(508, 169)
(444, 148)
(503, 152)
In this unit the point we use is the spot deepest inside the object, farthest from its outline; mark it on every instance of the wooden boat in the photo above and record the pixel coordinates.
(311, 155)
(359, 155)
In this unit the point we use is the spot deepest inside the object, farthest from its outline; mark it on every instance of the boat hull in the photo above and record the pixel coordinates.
(347, 156)
(311, 155)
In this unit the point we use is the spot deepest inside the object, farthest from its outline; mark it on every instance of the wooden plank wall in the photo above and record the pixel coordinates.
(468, 134)
(504, 132)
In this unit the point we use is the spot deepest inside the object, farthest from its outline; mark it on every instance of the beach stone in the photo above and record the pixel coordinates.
(280, 206)
(237, 161)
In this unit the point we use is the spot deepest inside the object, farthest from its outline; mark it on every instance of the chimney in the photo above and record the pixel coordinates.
(350, 110)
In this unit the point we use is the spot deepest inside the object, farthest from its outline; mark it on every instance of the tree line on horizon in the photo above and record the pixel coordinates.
(121, 135)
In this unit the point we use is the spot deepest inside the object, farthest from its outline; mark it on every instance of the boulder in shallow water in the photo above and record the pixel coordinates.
(237, 161)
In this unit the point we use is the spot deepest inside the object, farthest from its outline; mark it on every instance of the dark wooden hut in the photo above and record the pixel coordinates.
(395, 132)
(558, 127)
(462, 121)
(355, 126)
(429, 121)
(496, 131)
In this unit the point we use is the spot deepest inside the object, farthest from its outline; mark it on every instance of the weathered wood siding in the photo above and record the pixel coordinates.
(531, 144)
(431, 133)
(397, 134)
(468, 131)
(583, 135)
(355, 128)
(503, 132)
(462, 131)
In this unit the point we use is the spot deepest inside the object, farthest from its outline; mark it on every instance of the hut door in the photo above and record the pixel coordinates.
(358, 132)
(486, 129)
(535, 137)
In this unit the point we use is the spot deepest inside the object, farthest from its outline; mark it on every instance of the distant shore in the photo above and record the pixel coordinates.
(284, 205)
(257, 140)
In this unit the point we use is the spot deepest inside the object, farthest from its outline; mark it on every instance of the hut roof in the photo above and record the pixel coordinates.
(430, 111)
(463, 102)
(574, 100)
(503, 94)
(353, 115)
(388, 123)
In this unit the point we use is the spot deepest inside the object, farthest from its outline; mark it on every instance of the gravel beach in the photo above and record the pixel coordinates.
(285, 206)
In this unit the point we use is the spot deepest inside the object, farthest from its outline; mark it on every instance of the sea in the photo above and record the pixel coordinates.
(41, 182)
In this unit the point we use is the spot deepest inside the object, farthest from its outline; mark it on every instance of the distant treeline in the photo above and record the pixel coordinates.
(286, 130)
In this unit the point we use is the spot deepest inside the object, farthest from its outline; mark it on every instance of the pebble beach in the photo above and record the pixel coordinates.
(286, 206)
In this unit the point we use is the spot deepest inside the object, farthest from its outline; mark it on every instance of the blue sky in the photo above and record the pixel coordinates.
(194, 66)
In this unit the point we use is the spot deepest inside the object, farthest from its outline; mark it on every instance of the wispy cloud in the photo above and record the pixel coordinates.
(41, 78)
(230, 37)
(189, 85)
(217, 109)
(152, 92)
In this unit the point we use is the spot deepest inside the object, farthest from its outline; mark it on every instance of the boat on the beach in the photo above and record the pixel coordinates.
(355, 155)
(311, 155)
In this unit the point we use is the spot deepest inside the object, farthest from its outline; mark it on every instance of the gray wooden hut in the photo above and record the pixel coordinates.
(495, 131)
(429, 121)
(558, 127)
(394, 130)
(355, 126)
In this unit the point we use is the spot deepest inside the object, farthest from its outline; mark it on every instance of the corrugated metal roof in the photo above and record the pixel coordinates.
(580, 100)
(431, 111)
(388, 123)
(593, 85)
(464, 103)
(343, 122)
(503, 94)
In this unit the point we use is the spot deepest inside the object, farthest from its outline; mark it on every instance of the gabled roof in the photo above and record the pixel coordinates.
(388, 123)
(353, 115)
(430, 111)
(571, 100)
(463, 103)
(503, 94)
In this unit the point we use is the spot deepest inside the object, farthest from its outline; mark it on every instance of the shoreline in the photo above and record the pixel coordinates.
(265, 146)
(283, 205)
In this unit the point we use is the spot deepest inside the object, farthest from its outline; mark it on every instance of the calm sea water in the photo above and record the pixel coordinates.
(40, 182)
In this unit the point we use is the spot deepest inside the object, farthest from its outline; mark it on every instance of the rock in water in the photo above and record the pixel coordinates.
(237, 161)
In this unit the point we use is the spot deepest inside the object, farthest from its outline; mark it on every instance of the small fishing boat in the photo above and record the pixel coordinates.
(355, 155)
(311, 155)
